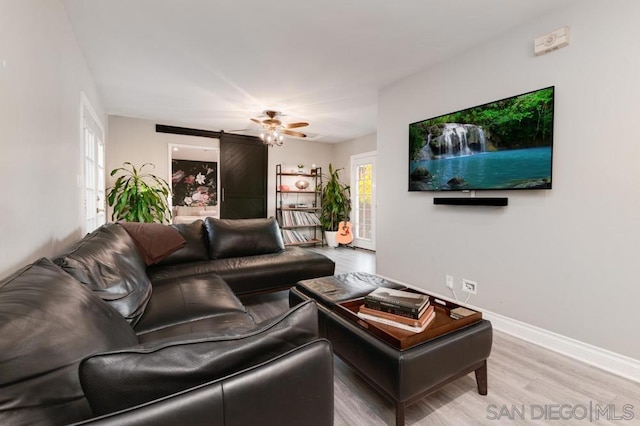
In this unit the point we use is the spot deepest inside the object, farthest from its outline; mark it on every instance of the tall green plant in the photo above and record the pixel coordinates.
(336, 203)
(139, 197)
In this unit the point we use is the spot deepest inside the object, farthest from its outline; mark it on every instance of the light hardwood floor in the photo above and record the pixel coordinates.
(528, 385)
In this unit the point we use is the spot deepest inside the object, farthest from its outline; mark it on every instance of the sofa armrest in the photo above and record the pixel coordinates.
(295, 388)
(124, 378)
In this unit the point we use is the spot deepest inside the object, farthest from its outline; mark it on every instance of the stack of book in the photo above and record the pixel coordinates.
(400, 309)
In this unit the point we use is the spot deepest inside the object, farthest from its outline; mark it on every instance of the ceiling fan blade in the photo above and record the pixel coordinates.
(272, 122)
(293, 133)
(255, 120)
(295, 125)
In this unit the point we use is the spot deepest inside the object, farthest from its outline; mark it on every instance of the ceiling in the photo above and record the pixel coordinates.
(214, 64)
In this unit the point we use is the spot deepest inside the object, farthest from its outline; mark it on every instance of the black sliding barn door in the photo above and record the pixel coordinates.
(243, 171)
(243, 177)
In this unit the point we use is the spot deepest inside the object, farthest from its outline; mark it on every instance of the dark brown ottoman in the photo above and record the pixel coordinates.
(401, 376)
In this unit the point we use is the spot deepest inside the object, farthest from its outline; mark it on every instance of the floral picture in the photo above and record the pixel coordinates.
(194, 183)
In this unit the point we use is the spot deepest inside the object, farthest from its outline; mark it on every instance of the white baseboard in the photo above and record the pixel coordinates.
(612, 362)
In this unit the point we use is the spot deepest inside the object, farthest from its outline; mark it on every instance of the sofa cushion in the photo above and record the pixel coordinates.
(48, 323)
(222, 323)
(120, 379)
(196, 244)
(242, 237)
(186, 300)
(108, 262)
(154, 241)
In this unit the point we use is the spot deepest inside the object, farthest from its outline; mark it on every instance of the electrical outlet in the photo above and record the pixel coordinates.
(469, 286)
(449, 281)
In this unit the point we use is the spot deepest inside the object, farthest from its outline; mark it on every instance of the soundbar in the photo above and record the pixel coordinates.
(469, 201)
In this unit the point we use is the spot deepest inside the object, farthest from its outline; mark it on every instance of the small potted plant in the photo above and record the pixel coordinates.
(336, 204)
(138, 196)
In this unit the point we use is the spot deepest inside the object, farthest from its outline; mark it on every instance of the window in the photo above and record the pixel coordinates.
(94, 173)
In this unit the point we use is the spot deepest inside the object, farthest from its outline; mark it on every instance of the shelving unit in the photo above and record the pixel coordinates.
(297, 209)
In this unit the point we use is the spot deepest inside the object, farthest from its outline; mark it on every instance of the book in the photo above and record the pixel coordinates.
(429, 319)
(398, 302)
(396, 310)
(399, 318)
(461, 312)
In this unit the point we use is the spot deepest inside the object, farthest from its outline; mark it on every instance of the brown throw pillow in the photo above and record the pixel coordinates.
(154, 240)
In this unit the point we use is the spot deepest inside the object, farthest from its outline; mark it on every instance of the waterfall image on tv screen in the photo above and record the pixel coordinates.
(506, 144)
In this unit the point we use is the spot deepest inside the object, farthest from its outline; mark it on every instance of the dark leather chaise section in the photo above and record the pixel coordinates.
(248, 254)
(252, 274)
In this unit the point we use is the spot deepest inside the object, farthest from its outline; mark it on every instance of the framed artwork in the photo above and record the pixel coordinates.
(194, 183)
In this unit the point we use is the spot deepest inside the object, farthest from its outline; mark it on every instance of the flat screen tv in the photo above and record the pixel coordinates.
(501, 145)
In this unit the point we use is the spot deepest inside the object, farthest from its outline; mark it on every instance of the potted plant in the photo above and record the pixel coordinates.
(336, 204)
(139, 197)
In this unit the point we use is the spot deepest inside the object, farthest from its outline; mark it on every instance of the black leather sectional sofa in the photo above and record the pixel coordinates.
(97, 336)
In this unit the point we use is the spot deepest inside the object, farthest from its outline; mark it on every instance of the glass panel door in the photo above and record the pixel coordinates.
(363, 200)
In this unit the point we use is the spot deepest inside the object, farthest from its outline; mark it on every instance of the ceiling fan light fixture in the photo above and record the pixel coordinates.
(272, 137)
(274, 131)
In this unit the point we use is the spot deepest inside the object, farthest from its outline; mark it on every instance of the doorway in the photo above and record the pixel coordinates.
(363, 200)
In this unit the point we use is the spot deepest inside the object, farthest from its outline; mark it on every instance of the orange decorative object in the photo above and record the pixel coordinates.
(344, 235)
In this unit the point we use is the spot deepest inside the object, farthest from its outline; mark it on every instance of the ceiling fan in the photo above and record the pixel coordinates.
(274, 129)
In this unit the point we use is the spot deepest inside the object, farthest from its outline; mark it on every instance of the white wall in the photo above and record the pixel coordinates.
(343, 151)
(42, 75)
(136, 141)
(564, 260)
